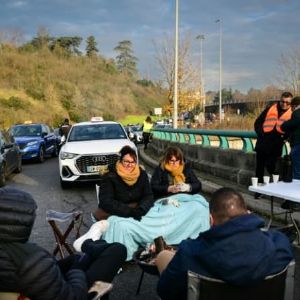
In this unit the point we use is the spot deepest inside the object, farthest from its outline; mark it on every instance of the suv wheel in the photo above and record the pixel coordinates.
(2, 175)
(41, 157)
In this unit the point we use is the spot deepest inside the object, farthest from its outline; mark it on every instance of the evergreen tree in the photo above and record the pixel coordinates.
(91, 46)
(68, 43)
(126, 61)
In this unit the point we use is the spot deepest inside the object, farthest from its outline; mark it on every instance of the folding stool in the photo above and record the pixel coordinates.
(75, 219)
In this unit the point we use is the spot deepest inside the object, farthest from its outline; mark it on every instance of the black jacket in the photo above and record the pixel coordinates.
(270, 142)
(37, 274)
(115, 195)
(292, 127)
(160, 181)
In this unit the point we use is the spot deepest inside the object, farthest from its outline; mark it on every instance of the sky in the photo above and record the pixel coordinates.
(255, 33)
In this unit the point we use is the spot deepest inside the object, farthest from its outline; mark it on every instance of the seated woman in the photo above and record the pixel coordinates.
(173, 175)
(124, 191)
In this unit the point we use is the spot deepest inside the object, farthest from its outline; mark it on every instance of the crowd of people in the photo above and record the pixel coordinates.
(226, 240)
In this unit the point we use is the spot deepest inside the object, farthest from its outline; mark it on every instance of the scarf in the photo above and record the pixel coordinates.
(176, 173)
(129, 178)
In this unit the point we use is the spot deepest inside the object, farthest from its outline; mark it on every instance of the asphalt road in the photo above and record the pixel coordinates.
(42, 181)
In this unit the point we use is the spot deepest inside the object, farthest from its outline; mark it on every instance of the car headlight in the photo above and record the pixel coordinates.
(33, 143)
(67, 155)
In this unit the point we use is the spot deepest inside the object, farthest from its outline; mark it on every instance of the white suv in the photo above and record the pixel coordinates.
(89, 148)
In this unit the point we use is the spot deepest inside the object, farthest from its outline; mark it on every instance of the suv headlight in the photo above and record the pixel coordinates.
(67, 155)
(33, 143)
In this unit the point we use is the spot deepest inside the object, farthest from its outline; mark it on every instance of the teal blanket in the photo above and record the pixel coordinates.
(185, 216)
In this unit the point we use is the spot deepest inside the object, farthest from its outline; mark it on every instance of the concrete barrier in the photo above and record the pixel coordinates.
(234, 165)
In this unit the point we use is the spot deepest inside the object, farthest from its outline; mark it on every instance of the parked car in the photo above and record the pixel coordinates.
(35, 141)
(90, 148)
(10, 157)
(163, 126)
(135, 133)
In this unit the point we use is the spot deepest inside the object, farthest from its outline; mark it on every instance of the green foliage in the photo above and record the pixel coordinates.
(108, 117)
(145, 82)
(15, 102)
(91, 46)
(126, 61)
(36, 92)
(75, 116)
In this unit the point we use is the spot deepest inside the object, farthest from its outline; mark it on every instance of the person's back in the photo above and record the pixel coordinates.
(65, 128)
(235, 249)
(25, 267)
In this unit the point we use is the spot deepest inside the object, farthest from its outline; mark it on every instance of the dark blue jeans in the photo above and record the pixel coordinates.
(295, 156)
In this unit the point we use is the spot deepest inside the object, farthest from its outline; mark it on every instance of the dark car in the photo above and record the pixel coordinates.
(10, 157)
(35, 141)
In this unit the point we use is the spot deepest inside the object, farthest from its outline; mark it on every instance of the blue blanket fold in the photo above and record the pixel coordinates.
(176, 218)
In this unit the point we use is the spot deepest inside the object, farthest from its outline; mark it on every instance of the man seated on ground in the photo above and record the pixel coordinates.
(31, 271)
(234, 249)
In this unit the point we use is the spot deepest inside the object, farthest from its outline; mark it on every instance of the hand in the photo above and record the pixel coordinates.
(184, 187)
(173, 189)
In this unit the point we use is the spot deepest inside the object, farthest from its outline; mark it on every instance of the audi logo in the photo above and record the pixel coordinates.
(99, 159)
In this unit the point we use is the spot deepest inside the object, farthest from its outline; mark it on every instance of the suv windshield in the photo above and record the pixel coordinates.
(96, 132)
(26, 130)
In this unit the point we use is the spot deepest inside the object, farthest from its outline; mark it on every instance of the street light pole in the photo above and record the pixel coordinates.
(175, 100)
(201, 37)
(220, 71)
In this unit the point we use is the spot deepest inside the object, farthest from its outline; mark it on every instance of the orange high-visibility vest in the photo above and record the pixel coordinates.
(272, 120)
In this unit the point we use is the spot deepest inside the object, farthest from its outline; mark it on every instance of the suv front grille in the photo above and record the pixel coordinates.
(95, 160)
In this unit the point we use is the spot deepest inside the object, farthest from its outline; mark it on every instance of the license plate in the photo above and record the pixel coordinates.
(93, 169)
(97, 169)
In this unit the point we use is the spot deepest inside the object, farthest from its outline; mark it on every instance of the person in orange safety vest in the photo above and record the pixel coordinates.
(270, 137)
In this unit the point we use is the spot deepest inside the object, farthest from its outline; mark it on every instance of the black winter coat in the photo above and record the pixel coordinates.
(268, 142)
(292, 127)
(36, 275)
(161, 179)
(115, 195)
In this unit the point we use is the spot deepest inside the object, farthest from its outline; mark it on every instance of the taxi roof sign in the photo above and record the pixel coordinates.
(96, 119)
(28, 122)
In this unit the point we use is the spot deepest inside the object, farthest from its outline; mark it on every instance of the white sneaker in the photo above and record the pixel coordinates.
(94, 233)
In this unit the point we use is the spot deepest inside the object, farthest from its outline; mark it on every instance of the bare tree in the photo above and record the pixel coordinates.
(13, 37)
(188, 75)
(289, 71)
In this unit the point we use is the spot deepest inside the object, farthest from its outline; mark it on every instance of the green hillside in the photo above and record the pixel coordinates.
(45, 86)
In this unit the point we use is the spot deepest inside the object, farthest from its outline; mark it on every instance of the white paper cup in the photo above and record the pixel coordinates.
(275, 178)
(254, 181)
(266, 179)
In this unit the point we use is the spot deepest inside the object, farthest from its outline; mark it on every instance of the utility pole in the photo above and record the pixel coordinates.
(201, 37)
(175, 100)
(220, 71)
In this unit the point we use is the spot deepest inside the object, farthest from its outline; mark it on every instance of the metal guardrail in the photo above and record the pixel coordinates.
(222, 139)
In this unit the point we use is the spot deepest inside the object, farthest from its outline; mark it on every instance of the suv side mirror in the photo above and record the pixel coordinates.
(44, 134)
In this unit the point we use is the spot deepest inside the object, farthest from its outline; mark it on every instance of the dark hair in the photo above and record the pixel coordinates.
(226, 203)
(66, 121)
(295, 101)
(286, 95)
(169, 153)
(128, 150)
(148, 119)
